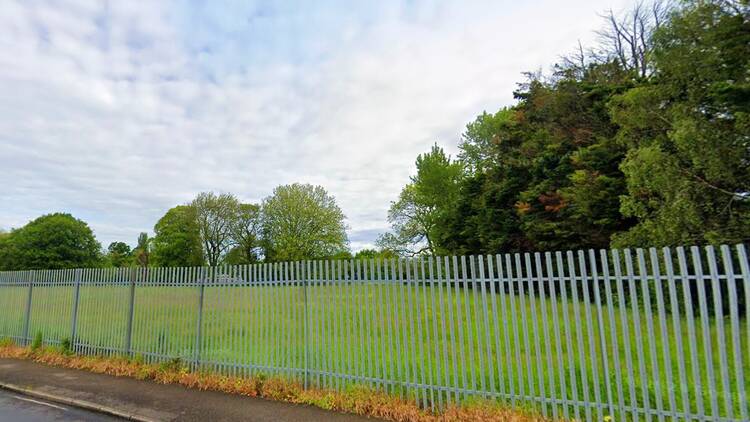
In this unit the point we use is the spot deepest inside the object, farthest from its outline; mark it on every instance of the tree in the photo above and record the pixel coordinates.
(688, 164)
(5, 251)
(246, 229)
(177, 241)
(544, 174)
(628, 38)
(215, 215)
(415, 218)
(368, 254)
(142, 252)
(119, 254)
(302, 221)
(52, 241)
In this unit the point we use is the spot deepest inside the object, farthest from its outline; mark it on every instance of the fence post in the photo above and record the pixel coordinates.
(305, 325)
(76, 294)
(26, 339)
(131, 314)
(200, 317)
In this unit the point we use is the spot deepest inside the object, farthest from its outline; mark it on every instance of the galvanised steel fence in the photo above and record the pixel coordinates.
(635, 335)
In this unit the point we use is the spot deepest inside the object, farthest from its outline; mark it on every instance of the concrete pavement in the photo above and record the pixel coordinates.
(149, 401)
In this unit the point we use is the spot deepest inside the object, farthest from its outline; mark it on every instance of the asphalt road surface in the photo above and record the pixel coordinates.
(145, 399)
(19, 408)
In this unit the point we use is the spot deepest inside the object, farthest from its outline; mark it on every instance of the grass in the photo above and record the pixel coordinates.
(357, 400)
(382, 332)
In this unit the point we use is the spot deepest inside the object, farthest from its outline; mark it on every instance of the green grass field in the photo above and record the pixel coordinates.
(412, 335)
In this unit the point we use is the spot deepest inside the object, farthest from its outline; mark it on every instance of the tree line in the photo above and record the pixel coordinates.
(640, 140)
(643, 140)
(298, 221)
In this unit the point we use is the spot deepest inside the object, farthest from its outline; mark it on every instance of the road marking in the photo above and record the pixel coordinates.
(40, 402)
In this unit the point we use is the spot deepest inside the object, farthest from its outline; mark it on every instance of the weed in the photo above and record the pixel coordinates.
(7, 342)
(66, 346)
(138, 359)
(173, 364)
(37, 343)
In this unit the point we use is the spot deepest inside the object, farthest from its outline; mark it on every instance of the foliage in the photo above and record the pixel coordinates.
(415, 218)
(142, 252)
(375, 254)
(687, 130)
(52, 241)
(66, 346)
(177, 241)
(546, 174)
(119, 254)
(174, 365)
(36, 344)
(642, 141)
(246, 228)
(302, 221)
(215, 215)
(6, 258)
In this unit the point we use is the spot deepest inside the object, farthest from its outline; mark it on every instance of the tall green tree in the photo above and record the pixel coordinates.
(119, 254)
(216, 216)
(247, 235)
(416, 216)
(642, 140)
(544, 173)
(568, 152)
(5, 248)
(52, 241)
(688, 163)
(177, 241)
(302, 221)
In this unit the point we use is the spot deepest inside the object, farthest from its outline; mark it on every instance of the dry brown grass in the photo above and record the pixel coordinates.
(360, 400)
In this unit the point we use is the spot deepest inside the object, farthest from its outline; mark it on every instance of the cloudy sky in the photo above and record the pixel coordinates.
(117, 111)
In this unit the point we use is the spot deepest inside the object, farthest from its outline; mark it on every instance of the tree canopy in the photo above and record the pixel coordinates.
(215, 215)
(177, 241)
(119, 254)
(246, 228)
(302, 221)
(641, 141)
(687, 168)
(52, 241)
(416, 217)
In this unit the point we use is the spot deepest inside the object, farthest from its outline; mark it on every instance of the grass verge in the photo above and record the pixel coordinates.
(356, 400)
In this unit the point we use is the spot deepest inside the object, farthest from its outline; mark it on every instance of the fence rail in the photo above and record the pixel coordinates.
(632, 334)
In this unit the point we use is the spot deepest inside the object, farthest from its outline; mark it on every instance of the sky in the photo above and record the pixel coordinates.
(117, 111)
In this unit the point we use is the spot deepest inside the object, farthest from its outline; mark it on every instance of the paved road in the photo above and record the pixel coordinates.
(18, 408)
(153, 401)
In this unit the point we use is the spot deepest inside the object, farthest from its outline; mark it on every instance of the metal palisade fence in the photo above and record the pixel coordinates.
(631, 334)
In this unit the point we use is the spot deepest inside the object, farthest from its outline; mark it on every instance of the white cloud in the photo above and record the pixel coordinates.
(117, 111)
